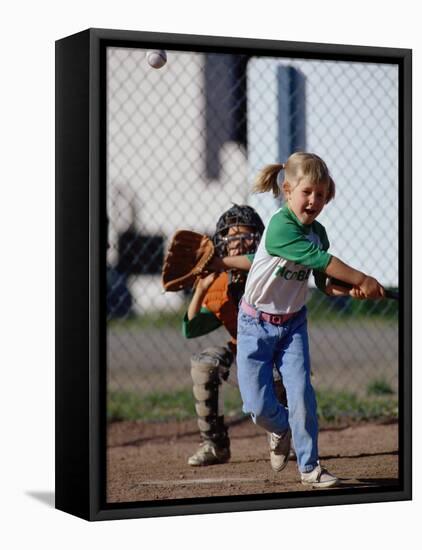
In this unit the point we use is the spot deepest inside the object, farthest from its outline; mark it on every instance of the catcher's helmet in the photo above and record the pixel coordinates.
(237, 215)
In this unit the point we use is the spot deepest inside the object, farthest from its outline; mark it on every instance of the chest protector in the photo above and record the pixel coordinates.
(219, 301)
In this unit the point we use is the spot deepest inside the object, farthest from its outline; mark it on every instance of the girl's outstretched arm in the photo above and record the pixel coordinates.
(333, 289)
(368, 286)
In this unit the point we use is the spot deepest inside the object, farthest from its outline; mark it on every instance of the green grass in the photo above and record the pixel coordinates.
(333, 407)
(156, 406)
(158, 320)
(379, 387)
(125, 405)
(338, 406)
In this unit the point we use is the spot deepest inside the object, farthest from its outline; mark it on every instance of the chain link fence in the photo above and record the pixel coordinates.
(186, 141)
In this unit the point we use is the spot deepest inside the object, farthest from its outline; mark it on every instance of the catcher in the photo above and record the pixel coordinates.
(215, 303)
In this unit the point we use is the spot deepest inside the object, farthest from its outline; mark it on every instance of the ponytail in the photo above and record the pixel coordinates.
(267, 180)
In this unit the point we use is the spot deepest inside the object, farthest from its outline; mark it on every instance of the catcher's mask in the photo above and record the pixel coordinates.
(235, 216)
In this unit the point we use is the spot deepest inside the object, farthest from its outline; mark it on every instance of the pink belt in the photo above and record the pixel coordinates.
(268, 317)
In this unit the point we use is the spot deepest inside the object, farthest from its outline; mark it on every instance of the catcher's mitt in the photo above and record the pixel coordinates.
(187, 257)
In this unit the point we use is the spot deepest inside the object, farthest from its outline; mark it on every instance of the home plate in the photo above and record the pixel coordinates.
(205, 481)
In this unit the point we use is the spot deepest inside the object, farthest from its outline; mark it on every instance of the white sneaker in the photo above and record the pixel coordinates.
(319, 478)
(209, 454)
(279, 449)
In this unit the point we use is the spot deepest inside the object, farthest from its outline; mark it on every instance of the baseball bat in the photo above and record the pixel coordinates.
(391, 294)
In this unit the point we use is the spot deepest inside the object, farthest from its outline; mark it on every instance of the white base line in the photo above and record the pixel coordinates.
(203, 481)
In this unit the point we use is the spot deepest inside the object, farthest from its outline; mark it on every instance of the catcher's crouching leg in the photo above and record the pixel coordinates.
(208, 369)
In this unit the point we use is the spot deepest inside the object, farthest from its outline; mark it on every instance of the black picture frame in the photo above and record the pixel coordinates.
(80, 272)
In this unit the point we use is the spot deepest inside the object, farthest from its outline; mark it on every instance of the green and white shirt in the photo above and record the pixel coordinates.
(288, 252)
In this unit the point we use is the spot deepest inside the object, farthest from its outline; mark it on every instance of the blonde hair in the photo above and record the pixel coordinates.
(297, 167)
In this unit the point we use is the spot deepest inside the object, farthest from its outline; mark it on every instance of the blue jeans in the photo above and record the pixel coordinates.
(262, 345)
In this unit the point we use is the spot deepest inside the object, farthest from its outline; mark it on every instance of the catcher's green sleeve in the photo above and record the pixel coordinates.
(204, 322)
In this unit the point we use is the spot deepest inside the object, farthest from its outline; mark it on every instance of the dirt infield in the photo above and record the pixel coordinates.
(147, 462)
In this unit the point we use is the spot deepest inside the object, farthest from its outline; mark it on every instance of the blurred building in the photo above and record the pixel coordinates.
(187, 140)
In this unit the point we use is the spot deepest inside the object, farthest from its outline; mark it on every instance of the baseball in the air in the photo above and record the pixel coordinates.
(157, 58)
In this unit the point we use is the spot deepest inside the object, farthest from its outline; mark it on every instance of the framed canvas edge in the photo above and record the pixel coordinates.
(99, 509)
(72, 418)
(311, 50)
(405, 263)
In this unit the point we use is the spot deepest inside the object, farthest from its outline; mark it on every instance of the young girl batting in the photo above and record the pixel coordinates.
(272, 324)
